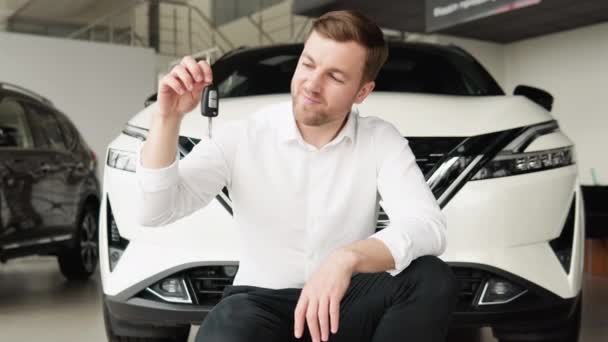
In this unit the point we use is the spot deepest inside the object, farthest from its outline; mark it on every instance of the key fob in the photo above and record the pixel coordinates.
(210, 101)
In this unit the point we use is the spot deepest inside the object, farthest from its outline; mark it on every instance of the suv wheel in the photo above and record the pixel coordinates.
(79, 261)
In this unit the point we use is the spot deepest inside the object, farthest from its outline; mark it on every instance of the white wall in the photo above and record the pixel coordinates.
(573, 66)
(99, 86)
(490, 55)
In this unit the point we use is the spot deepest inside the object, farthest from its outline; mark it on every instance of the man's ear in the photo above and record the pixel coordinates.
(365, 90)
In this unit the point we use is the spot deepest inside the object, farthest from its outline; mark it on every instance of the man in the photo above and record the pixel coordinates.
(305, 178)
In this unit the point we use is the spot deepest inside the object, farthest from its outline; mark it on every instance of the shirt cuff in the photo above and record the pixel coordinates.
(400, 246)
(153, 180)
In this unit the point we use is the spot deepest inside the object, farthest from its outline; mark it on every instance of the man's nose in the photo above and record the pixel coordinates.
(313, 83)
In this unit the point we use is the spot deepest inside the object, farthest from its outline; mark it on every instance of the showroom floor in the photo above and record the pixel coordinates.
(37, 304)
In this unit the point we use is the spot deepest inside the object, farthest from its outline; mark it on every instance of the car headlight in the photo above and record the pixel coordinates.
(511, 164)
(122, 160)
(512, 160)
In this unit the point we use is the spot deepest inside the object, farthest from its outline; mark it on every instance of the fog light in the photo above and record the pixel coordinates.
(500, 291)
(171, 286)
(171, 290)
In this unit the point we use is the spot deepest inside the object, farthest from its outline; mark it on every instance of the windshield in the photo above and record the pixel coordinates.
(427, 70)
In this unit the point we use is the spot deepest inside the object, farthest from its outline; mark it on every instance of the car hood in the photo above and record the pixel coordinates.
(415, 115)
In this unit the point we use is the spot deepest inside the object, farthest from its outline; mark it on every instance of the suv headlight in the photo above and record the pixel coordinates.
(511, 164)
(125, 160)
(122, 160)
(512, 160)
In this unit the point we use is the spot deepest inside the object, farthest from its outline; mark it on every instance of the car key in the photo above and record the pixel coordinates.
(209, 102)
(210, 105)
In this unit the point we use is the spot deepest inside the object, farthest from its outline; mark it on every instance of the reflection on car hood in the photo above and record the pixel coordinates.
(420, 115)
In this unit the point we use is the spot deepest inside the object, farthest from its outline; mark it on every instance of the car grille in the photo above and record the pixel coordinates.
(186, 144)
(208, 283)
(383, 220)
(470, 281)
(429, 151)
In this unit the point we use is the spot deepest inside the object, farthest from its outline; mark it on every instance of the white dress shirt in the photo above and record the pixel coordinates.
(293, 203)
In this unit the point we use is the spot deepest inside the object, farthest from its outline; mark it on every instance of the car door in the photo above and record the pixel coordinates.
(20, 222)
(50, 194)
(77, 167)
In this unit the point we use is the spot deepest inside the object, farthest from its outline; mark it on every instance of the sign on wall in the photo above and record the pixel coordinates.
(442, 14)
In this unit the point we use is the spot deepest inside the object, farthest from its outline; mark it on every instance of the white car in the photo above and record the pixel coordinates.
(499, 166)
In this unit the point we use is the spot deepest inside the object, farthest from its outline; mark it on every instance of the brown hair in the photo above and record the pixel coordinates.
(349, 25)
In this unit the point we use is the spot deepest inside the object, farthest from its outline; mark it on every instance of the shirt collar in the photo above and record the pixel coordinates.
(290, 132)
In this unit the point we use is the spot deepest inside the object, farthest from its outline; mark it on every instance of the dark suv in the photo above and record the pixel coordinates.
(49, 192)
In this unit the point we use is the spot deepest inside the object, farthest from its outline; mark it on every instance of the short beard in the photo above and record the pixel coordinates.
(317, 119)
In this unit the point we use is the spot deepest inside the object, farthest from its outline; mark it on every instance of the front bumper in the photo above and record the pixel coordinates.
(146, 312)
(536, 309)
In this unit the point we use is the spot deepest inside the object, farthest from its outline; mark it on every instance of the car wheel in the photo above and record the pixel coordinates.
(178, 334)
(79, 261)
(568, 332)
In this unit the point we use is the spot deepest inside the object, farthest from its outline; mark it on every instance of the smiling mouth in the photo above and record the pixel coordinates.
(308, 100)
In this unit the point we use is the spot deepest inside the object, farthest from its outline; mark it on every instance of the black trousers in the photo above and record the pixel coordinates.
(416, 305)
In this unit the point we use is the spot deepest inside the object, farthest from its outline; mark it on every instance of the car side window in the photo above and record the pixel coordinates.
(45, 128)
(14, 131)
(68, 129)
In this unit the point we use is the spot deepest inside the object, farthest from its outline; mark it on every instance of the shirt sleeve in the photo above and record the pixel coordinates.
(417, 226)
(168, 194)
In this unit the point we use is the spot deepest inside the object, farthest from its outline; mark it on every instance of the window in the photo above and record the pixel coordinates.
(45, 128)
(429, 70)
(270, 75)
(68, 130)
(14, 131)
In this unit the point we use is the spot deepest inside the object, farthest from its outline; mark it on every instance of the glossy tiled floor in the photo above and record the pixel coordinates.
(37, 304)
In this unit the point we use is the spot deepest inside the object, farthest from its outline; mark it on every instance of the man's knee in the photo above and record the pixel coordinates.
(434, 280)
(227, 322)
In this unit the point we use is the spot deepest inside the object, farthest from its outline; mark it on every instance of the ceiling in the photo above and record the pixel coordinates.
(66, 11)
(549, 16)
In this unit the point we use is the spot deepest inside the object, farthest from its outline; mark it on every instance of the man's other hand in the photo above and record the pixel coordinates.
(319, 302)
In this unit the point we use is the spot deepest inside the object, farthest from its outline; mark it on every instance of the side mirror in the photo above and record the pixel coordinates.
(150, 100)
(537, 95)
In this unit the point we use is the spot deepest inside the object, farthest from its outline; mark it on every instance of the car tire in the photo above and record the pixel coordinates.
(79, 260)
(567, 332)
(178, 334)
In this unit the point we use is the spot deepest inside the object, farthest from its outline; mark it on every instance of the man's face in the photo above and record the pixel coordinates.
(327, 80)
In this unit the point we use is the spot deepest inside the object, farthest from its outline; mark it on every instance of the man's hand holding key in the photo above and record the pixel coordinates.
(179, 92)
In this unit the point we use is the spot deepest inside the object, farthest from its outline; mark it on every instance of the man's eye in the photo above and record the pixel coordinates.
(307, 65)
(336, 79)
